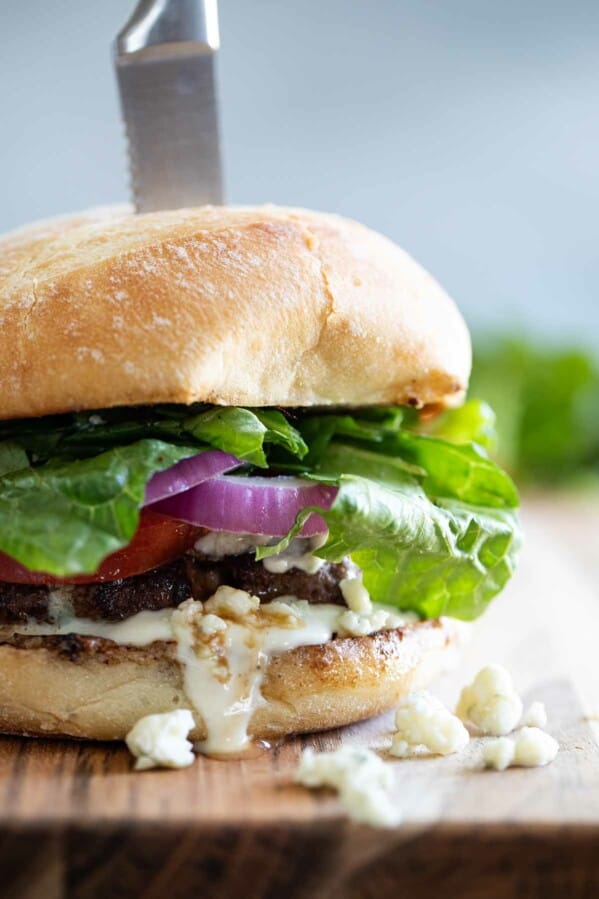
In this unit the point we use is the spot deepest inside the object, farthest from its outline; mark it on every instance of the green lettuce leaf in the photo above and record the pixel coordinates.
(440, 543)
(474, 422)
(245, 433)
(462, 472)
(371, 425)
(65, 518)
(236, 431)
(442, 558)
(12, 457)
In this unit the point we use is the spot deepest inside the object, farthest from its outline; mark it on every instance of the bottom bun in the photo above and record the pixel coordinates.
(91, 688)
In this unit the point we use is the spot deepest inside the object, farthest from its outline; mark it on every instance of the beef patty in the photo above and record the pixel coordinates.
(169, 586)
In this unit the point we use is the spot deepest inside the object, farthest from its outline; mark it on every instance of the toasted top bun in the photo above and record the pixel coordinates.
(251, 306)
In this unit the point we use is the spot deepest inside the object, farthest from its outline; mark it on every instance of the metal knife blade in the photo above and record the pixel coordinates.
(165, 63)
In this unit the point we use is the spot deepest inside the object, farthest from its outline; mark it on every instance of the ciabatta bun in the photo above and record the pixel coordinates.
(235, 306)
(92, 688)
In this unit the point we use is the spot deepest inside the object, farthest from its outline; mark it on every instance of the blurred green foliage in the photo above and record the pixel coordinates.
(546, 403)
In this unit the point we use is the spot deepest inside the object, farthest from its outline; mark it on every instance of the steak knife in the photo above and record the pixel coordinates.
(165, 59)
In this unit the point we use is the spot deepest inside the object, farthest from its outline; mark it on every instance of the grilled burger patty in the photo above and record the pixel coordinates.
(169, 586)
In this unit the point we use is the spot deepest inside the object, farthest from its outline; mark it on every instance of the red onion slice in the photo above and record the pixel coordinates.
(267, 506)
(187, 474)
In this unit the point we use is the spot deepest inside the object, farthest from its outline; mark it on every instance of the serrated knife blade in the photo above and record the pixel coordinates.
(165, 62)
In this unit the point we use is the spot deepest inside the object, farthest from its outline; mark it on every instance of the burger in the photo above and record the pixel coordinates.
(236, 477)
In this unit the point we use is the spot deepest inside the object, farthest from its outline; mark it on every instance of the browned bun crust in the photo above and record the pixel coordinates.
(250, 306)
(92, 688)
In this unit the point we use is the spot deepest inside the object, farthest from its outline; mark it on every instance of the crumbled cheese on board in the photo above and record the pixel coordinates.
(423, 722)
(490, 702)
(160, 741)
(535, 715)
(498, 753)
(361, 778)
(531, 748)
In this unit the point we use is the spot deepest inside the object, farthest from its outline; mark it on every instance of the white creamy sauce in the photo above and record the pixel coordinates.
(380, 618)
(299, 554)
(280, 564)
(218, 544)
(224, 663)
(138, 630)
(224, 644)
(355, 594)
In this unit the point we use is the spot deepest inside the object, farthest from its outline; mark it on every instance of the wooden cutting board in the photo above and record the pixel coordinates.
(76, 822)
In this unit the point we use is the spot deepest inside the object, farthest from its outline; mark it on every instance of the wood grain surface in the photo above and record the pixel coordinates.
(75, 821)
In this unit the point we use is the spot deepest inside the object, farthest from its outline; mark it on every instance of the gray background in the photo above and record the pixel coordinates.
(467, 130)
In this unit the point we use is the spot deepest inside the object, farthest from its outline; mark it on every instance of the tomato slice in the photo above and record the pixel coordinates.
(158, 540)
